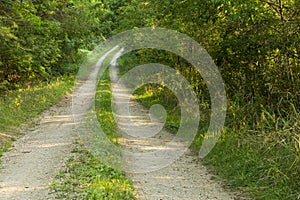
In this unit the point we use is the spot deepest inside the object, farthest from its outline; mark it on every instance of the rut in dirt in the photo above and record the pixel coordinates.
(183, 178)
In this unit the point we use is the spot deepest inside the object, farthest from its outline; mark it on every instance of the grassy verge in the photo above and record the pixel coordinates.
(84, 176)
(263, 161)
(265, 166)
(18, 107)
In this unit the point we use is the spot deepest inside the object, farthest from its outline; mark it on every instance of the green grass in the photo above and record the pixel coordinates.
(19, 106)
(84, 177)
(265, 163)
(247, 164)
(104, 110)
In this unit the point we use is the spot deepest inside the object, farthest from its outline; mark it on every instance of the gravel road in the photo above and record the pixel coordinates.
(29, 168)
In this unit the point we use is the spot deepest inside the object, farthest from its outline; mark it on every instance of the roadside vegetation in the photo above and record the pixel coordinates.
(255, 45)
(41, 47)
(19, 106)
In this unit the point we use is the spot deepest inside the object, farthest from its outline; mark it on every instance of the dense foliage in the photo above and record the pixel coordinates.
(42, 38)
(255, 43)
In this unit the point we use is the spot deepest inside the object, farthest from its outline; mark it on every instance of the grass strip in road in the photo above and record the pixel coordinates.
(85, 176)
(103, 108)
(19, 106)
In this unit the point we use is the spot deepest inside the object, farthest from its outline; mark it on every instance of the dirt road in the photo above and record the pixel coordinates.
(29, 168)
